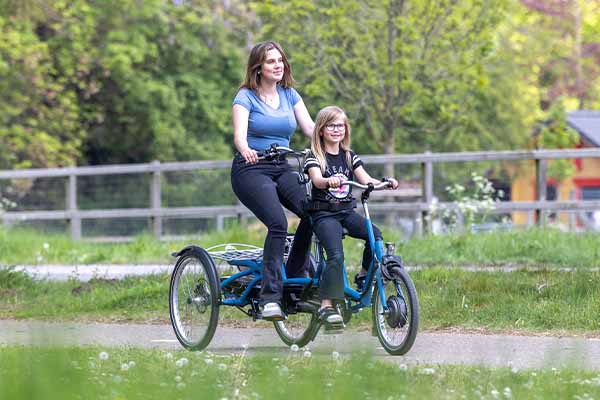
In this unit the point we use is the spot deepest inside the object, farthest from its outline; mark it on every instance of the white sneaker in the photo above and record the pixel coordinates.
(272, 312)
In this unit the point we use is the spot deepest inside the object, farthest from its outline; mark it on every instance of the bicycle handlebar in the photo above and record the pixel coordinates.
(280, 151)
(379, 186)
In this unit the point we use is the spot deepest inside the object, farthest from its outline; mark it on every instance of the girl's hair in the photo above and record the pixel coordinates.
(258, 54)
(326, 116)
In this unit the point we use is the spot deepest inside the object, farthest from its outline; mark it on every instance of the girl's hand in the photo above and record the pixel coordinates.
(394, 183)
(250, 156)
(334, 182)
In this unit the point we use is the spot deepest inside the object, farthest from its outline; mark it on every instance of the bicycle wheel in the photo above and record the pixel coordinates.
(298, 329)
(397, 329)
(194, 298)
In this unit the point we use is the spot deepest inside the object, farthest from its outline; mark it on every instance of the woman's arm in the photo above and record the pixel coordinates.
(304, 120)
(362, 176)
(240, 133)
(323, 183)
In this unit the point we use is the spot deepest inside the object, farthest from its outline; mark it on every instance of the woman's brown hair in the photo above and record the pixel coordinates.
(258, 54)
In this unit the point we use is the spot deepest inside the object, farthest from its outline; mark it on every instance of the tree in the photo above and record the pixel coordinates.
(412, 75)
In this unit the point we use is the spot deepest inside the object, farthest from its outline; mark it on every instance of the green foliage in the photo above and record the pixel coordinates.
(412, 75)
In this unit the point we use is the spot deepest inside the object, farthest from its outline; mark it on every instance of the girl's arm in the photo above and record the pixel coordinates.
(304, 120)
(323, 183)
(362, 176)
(240, 133)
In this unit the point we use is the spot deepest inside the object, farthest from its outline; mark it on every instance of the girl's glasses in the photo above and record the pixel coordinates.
(335, 127)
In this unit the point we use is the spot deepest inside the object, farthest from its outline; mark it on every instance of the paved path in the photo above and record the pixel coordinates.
(111, 271)
(430, 348)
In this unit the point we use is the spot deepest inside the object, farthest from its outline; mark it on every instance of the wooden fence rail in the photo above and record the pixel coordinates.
(156, 212)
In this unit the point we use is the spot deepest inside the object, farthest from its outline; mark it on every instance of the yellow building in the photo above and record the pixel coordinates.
(584, 184)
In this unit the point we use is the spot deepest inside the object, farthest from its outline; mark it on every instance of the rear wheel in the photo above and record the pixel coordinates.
(397, 328)
(194, 298)
(298, 329)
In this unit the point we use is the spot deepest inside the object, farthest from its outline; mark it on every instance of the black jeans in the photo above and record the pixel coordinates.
(264, 188)
(328, 227)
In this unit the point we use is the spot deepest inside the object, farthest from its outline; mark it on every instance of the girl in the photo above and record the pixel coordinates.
(267, 110)
(331, 162)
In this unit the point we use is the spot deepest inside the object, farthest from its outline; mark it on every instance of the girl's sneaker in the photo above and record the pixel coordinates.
(359, 280)
(333, 322)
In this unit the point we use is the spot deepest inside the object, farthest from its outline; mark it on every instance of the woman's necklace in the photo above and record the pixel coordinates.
(270, 100)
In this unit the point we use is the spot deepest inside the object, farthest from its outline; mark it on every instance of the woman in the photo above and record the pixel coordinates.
(267, 110)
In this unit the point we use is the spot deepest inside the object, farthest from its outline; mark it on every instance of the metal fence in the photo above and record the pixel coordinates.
(156, 212)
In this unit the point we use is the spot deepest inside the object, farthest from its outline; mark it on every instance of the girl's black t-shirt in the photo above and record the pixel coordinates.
(337, 165)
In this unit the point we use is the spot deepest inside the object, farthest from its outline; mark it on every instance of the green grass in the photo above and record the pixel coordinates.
(81, 373)
(538, 247)
(540, 301)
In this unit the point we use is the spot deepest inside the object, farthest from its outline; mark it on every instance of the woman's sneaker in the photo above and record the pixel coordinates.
(272, 312)
(332, 321)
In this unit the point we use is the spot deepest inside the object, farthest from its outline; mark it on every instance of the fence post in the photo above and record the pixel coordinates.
(74, 219)
(540, 175)
(427, 172)
(155, 199)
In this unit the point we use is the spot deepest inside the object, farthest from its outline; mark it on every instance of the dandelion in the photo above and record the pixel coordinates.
(103, 355)
(335, 355)
(168, 356)
(181, 385)
(403, 367)
(307, 354)
(209, 361)
(181, 362)
(124, 367)
(427, 371)
(222, 367)
(283, 370)
(46, 246)
(131, 364)
(177, 378)
(495, 394)
(294, 348)
(507, 392)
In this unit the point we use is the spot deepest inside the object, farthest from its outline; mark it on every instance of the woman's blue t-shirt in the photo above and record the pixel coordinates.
(267, 125)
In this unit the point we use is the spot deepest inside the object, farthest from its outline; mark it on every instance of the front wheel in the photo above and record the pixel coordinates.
(397, 328)
(194, 298)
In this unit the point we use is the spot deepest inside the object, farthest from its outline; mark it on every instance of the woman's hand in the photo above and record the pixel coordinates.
(250, 155)
(334, 182)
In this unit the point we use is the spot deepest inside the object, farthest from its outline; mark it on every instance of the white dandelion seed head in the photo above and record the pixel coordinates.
(403, 367)
(46, 246)
(208, 361)
(307, 354)
(427, 371)
(222, 367)
(181, 362)
(294, 348)
(177, 378)
(283, 370)
(168, 356)
(124, 367)
(131, 364)
(495, 394)
(335, 355)
(181, 385)
(103, 355)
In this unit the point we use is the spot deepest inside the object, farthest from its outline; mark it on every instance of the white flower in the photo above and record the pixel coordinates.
(283, 370)
(46, 246)
(131, 364)
(208, 361)
(124, 367)
(495, 393)
(103, 356)
(222, 367)
(507, 392)
(335, 355)
(181, 362)
(294, 347)
(307, 354)
(427, 371)
(177, 378)
(514, 370)
(403, 367)
(168, 356)
(181, 385)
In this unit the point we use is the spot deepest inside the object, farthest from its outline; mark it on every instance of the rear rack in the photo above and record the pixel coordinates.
(239, 251)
